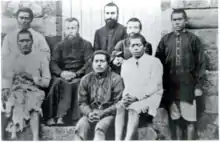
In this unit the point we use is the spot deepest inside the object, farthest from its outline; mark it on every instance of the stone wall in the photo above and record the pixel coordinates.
(202, 21)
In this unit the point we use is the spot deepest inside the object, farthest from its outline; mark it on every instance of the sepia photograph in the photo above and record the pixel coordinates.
(83, 70)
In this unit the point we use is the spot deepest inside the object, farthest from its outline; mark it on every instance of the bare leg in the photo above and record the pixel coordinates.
(179, 132)
(133, 122)
(13, 133)
(119, 122)
(99, 135)
(34, 122)
(190, 131)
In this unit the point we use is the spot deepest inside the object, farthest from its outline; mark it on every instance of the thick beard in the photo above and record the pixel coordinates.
(110, 23)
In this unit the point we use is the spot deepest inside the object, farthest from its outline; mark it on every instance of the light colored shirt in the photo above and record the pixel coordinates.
(10, 44)
(32, 63)
(143, 79)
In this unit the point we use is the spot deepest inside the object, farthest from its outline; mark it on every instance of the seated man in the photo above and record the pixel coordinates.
(142, 75)
(69, 61)
(99, 91)
(121, 50)
(24, 75)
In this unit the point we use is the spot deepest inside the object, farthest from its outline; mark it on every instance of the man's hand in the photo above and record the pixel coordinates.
(26, 75)
(92, 117)
(198, 92)
(5, 94)
(99, 113)
(118, 61)
(67, 75)
(129, 99)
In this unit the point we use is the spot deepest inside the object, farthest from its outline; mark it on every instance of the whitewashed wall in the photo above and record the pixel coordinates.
(91, 16)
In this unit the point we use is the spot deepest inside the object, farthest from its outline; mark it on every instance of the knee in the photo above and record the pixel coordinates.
(132, 112)
(120, 109)
(83, 124)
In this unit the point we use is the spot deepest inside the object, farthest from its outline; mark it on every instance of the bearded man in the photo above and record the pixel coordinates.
(108, 36)
(69, 63)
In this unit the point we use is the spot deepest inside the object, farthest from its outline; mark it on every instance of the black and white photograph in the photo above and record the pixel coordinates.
(110, 70)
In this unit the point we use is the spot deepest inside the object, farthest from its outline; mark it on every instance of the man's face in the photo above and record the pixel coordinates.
(133, 27)
(178, 21)
(111, 16)
(24, 20)
(71, 29)
(99, 63)
(136, 47)
(25, 43)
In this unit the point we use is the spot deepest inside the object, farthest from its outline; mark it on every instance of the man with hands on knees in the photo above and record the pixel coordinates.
(142, 75)
(98, 92)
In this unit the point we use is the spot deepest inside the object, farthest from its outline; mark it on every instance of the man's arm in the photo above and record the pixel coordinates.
(6, 48)
(200, 63)
(87, 59)
(44, 47)
(160, 52)
(155, 82)
(45, 73)
(117, 91)
(96, 41)
(84, 96)
(55, 60)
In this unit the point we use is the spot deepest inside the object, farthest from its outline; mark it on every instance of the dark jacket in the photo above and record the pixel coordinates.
(183, 79)
(101, 38)
(71, 56)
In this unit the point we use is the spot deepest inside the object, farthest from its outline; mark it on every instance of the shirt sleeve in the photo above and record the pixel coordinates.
(87, 59)
(156, 76)
(96, 42)
(160, 52)
(44, 47)
(118, 87)
(84, 96)
(200, 63)
(124, 75)
(55, 60)
(45, 73)
(6, 48)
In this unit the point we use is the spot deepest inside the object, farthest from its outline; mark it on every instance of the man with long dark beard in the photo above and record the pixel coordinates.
(107, 37)
(69, 62)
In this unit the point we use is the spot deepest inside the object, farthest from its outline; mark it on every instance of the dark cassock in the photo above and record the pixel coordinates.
(106, 38)
(183, 59)
(69, 55)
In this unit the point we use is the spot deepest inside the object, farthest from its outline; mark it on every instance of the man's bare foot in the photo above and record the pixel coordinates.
(60, 120)
(51, 121)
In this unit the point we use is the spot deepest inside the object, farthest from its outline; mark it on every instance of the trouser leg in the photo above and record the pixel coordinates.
(83, 126)
(65, 98)
(132, 125)
(102, 127)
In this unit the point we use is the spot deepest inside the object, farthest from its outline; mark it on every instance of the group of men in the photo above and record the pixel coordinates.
(117, 79)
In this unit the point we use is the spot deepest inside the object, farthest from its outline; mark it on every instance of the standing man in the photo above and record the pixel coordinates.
(142, 75)
(24, 18)
(69, 62)
(99, 91)
(121, 50)
(107, 37)
(182, 56)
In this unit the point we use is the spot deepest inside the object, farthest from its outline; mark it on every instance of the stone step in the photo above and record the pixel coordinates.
(158, 130)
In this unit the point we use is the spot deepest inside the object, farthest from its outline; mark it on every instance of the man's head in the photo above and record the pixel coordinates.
(134, 26)
(100, 61)
(25, 41)
(137, 44)
(111, 15)
(71, 28)
(179, 19)
(24, 17)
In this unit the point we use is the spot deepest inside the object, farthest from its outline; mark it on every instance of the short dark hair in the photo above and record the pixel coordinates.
(71, 19)
(25, 9)
(179, 11)
(112, 4)
(135, 36)
(24, 31)
(102, 52)
(134, 19)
